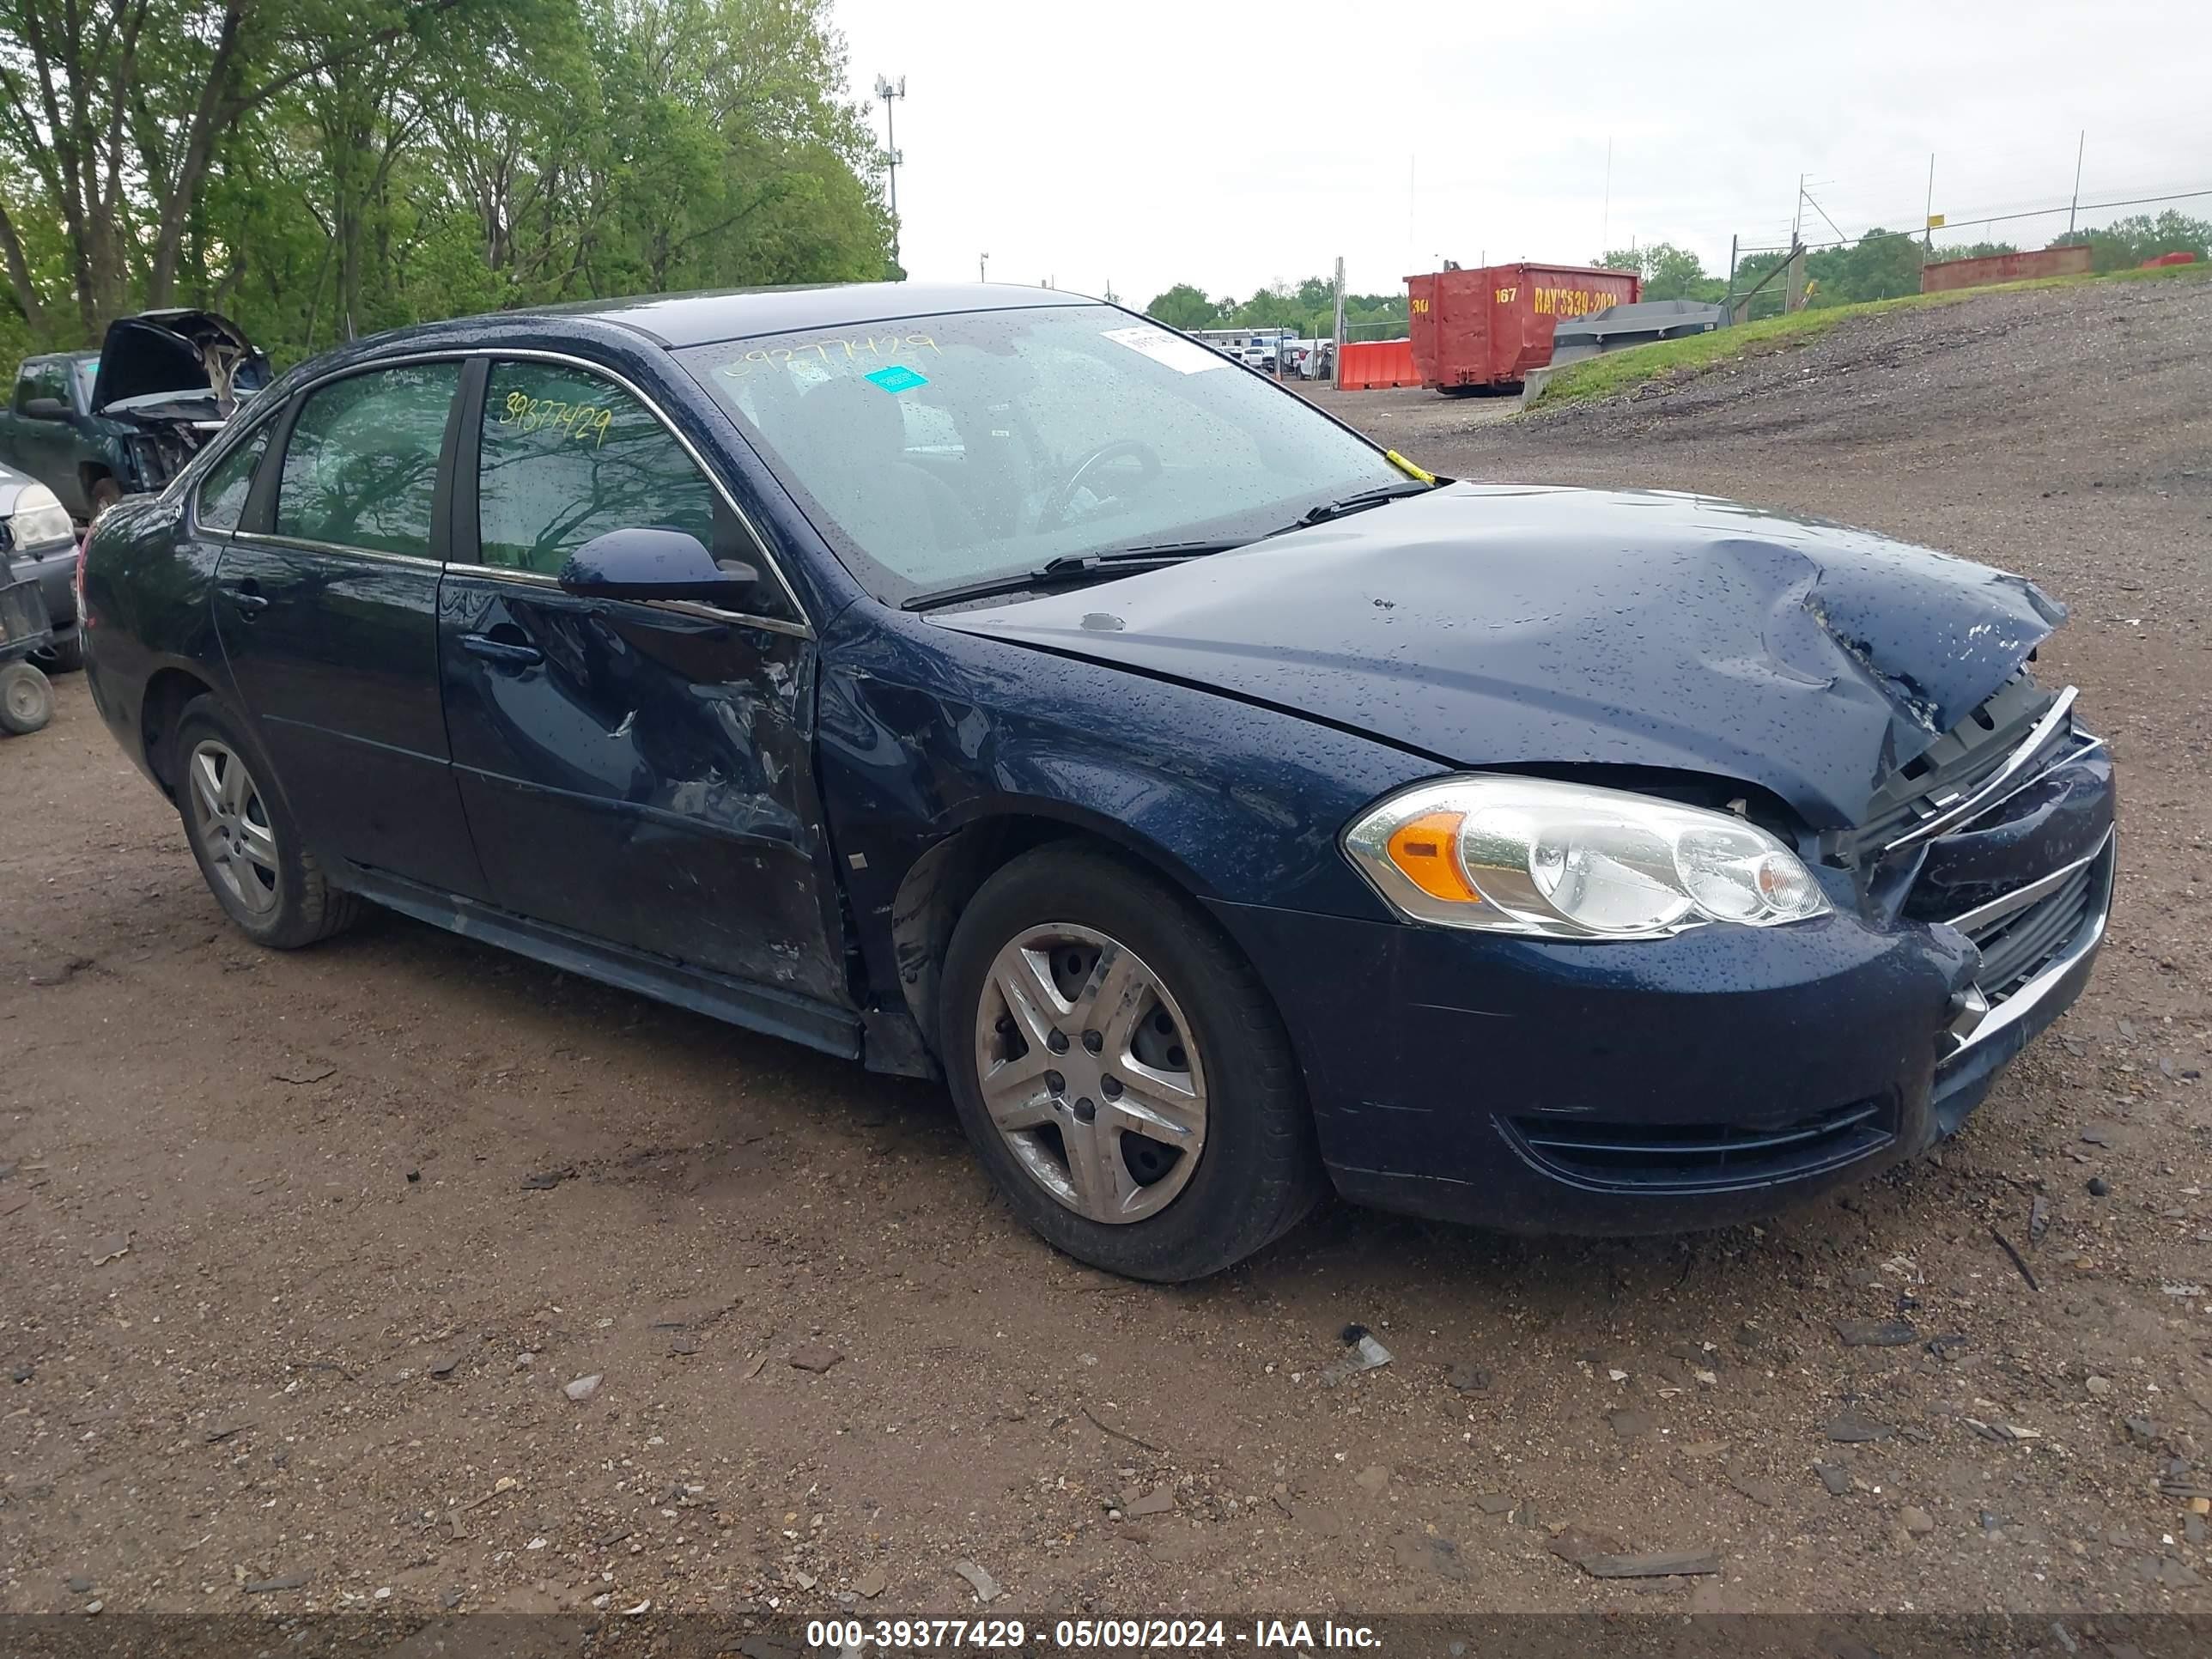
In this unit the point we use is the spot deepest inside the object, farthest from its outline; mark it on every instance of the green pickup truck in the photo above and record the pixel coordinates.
(96, 426)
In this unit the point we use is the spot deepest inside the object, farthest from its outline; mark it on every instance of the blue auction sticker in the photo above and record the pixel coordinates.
(898, 378)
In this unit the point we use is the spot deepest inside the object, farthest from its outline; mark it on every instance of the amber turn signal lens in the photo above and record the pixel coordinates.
(1426, 850)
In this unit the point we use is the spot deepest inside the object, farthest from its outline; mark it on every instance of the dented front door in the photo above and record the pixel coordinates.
(640, 773)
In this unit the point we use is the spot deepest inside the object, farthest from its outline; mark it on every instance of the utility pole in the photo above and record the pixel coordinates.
(1336, 350)
(1928, 219)
(1605, 219)
(2079, 150)
(887, 89)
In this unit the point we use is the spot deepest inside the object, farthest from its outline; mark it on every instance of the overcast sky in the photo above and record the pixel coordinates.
(1230, 144)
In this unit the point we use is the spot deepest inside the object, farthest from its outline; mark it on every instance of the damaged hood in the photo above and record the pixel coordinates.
(176, 366)
(1492, 626)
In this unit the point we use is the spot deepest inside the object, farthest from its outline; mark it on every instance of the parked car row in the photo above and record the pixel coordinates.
(991, 683)
(39, 545)
(96, 426)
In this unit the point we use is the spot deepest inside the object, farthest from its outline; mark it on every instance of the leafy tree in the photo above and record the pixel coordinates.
(1669, 272)
(320, 168)
(1183, 307)
(2126, 243)
(1881, 265)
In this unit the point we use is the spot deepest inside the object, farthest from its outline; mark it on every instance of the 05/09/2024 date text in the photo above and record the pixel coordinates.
(1112, 1634)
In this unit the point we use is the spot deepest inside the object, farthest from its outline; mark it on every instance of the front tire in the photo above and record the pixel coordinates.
(244, 838)
(1121, 1071)
(68, 653)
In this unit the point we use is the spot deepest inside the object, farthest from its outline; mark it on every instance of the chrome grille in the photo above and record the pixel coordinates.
(1952, 768)
(2014, 946)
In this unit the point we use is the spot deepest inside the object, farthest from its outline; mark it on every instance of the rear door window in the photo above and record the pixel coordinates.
(566, 455)
(361, 469)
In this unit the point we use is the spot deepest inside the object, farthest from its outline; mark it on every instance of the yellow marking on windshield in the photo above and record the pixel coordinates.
(827, 349)
(1409, 468)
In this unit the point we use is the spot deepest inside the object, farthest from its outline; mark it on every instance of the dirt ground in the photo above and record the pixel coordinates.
(301, 1250)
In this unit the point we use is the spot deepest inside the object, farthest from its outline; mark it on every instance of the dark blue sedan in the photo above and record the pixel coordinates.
(991, 683)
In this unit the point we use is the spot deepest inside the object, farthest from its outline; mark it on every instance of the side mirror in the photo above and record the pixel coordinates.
(45, 409)
(653, 564)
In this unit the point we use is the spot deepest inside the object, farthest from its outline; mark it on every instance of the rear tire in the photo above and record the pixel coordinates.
(1178, 1140)
(69, 654)
(27, 699)
(244, 838)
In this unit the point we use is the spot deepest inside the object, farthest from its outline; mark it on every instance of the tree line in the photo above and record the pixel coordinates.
(1883, 265)
(317, 169)
(1880, 265)
(1309, 308)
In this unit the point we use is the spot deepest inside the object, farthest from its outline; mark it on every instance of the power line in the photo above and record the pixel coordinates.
(2004, 218)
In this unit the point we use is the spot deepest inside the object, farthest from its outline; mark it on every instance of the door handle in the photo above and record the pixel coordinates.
(249, 600)
(507, 653)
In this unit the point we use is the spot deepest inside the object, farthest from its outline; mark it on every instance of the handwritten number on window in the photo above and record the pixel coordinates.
(585, 422)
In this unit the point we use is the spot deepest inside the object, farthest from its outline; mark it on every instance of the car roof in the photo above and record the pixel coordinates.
(676, 321)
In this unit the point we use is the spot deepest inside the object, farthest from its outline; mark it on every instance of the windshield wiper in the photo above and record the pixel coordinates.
(1365, 498)
(1071, 569)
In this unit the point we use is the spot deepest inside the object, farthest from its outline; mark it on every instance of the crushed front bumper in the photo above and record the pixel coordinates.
(1708, 1078)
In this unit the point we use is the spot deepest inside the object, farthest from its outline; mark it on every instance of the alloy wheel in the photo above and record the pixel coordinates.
(231, 823)
(1090, 1073)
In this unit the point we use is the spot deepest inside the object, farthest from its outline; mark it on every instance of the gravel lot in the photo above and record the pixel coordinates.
(376, 1203)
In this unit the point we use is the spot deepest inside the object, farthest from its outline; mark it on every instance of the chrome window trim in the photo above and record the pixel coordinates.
(225, 442)
(2020, 898)
(207, 460)
(304, 391)
(684, 607)
(1994, 788)
(800, 629)
(235, 431)
(255, 538)
(2016, 1007)
(504, 573)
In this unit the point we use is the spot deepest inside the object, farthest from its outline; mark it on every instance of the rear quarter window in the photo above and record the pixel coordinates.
(223, 495)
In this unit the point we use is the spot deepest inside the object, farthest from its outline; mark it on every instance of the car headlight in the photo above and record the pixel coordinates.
(1564, 860)
(39, 518)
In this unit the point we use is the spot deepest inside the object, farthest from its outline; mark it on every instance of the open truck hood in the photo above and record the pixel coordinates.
(1495, 626)
(166, 365)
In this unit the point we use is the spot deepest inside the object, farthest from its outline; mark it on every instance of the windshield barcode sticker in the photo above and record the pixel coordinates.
(898, 378)
(1184, 356)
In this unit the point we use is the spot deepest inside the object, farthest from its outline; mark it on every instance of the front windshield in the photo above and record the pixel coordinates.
(941, 451)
